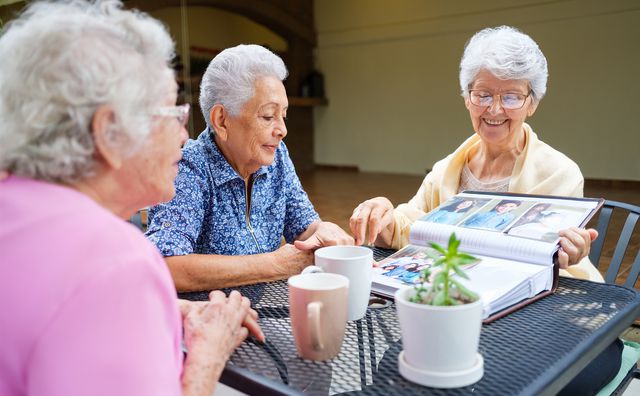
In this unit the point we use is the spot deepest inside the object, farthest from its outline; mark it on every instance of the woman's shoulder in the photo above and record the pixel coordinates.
(546, 170)
(202, 161)
(538, 146)
(197, 150)
(546, 156)
(282, 153)
(282, 164)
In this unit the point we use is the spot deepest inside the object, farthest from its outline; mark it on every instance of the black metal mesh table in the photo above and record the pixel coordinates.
(536, 350)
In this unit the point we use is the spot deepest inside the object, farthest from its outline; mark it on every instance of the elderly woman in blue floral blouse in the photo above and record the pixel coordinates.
(237, 192)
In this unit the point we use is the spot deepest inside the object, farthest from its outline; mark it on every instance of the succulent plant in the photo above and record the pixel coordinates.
(442, 288)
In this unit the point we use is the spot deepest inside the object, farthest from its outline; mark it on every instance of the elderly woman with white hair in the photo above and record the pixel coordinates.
(237, 192)
(89, 133)
(503, 77)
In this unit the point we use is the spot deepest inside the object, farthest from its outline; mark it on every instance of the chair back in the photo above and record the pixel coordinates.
(136, 219)
(627, 242)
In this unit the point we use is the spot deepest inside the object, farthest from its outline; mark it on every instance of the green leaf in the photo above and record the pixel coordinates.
(424, 275)
(440, 277)
(466, 259)
(433, 254)
(439, 299)
(437, 247)
(444, 289)
(454, 261)
(467, 262)
(466, 256)
(460, 272)
(452, 239)
(464, 291)
(439, 262)
(453, 245)
(453, 301)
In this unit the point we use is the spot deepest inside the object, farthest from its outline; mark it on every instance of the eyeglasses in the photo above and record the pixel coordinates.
(509, 101)
(181, 113)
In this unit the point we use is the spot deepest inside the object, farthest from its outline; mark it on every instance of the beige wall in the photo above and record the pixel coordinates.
(391, 73)
(216, 29)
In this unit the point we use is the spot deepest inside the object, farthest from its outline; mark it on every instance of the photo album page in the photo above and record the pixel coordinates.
(514, 236)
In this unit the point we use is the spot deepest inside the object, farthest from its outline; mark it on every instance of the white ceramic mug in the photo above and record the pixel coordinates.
(354, 262)
(318, 310)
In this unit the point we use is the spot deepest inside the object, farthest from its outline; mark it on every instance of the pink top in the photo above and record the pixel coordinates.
(87, 305)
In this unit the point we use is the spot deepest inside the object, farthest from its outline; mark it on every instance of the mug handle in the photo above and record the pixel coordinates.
(313, 316)
(312, 269)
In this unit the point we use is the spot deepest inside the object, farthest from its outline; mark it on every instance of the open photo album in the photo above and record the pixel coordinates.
(514, 236)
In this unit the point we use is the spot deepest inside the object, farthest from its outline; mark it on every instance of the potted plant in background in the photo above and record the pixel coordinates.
(440, 321)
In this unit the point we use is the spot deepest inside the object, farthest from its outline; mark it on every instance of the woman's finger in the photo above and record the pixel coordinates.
(254, 328)
(376, 222)
(359, 224)
(576, 243)
(240, 335)
(563, 259)
(570, 249)
(217, 296)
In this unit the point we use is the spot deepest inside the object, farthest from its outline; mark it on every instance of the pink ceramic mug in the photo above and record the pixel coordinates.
(318, 309)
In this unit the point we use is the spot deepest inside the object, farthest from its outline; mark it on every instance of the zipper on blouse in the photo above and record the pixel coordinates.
(249, 198)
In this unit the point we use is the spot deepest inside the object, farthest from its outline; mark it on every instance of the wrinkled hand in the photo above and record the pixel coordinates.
(370, 218)
(216, 327)
(289, 260)
(250, 321)
(326, 234)
(575, 244)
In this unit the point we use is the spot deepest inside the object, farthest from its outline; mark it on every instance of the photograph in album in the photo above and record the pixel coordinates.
(514, 236)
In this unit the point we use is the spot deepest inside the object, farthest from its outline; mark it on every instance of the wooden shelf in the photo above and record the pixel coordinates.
(299, 101)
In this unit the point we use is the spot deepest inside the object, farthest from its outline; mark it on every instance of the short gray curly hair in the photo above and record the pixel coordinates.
(508, 54)
(230, 77)
(60, 62)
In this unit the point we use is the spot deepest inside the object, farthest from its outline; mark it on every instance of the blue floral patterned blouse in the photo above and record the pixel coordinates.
(208, 213)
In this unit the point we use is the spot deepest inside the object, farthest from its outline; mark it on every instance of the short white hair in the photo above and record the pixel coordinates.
(60, 62)
(506, 53)
(231, 76)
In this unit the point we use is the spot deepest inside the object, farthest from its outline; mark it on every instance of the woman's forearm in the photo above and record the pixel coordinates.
(201, 374)
(210, 271)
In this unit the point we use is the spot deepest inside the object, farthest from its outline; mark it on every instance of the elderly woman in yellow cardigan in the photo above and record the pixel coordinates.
(503, 77)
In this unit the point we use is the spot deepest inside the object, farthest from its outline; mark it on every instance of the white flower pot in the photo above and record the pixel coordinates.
(440, 343)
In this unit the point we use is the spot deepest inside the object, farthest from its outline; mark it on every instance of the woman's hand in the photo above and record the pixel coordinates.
(289, 260)
(217, 324)
(250, 321)
(323, 233)
(373, 217)
(212, 331)
(575, 244)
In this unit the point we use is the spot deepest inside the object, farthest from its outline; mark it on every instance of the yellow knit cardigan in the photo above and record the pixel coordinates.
(539, 169)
